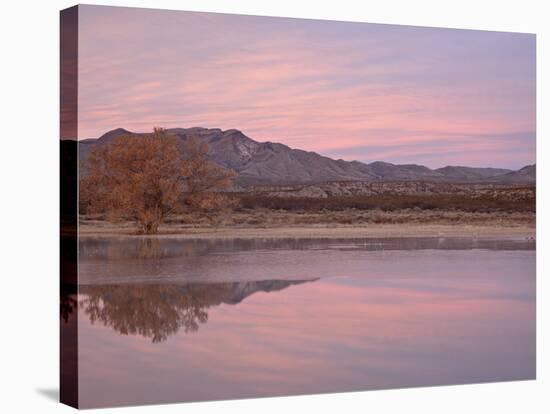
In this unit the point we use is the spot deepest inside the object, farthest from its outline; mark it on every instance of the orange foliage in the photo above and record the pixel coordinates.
(148, 177)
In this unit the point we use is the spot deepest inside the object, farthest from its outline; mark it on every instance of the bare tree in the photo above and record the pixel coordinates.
(146, 178)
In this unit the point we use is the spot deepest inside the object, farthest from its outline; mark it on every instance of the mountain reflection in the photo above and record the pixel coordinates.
(157, 311)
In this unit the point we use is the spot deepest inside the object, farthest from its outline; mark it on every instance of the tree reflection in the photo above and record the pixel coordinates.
(68, 305)
(68, 301)
(157, 311)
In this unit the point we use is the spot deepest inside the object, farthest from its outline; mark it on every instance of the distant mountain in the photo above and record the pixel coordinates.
(526, 174)
(469, 173)
(387, 171)
(274, 163)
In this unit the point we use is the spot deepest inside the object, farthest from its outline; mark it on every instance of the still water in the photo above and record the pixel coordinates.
(171, 320)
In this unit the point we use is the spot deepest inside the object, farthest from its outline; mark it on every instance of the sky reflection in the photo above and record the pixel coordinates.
(421, 318)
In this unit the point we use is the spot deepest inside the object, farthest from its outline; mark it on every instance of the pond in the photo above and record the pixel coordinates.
(174, 320)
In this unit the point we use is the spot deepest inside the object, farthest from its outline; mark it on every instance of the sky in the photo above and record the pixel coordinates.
(356, 91)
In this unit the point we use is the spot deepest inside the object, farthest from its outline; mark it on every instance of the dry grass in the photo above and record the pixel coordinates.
(505, 208)
(350, 217)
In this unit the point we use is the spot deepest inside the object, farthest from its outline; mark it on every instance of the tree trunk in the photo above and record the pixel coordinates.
(149, 227)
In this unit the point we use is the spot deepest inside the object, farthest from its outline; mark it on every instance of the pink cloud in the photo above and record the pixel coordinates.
(319, 86)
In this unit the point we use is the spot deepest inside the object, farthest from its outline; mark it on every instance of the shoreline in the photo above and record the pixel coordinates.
(338, 232)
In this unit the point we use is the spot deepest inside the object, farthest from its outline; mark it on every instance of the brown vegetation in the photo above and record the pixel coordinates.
(390, 202)
(267, 218)
(149, 177)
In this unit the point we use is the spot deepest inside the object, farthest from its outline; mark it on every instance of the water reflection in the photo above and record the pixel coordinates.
(68, 305)
(168, 260)
(157, 311)
(195, 316)
(144, 248)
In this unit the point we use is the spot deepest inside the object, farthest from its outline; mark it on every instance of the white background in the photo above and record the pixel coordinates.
(29, 204)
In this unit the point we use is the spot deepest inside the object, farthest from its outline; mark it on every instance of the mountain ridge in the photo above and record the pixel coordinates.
(258, 163)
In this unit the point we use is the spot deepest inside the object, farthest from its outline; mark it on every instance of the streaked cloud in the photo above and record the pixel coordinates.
(350, 90)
